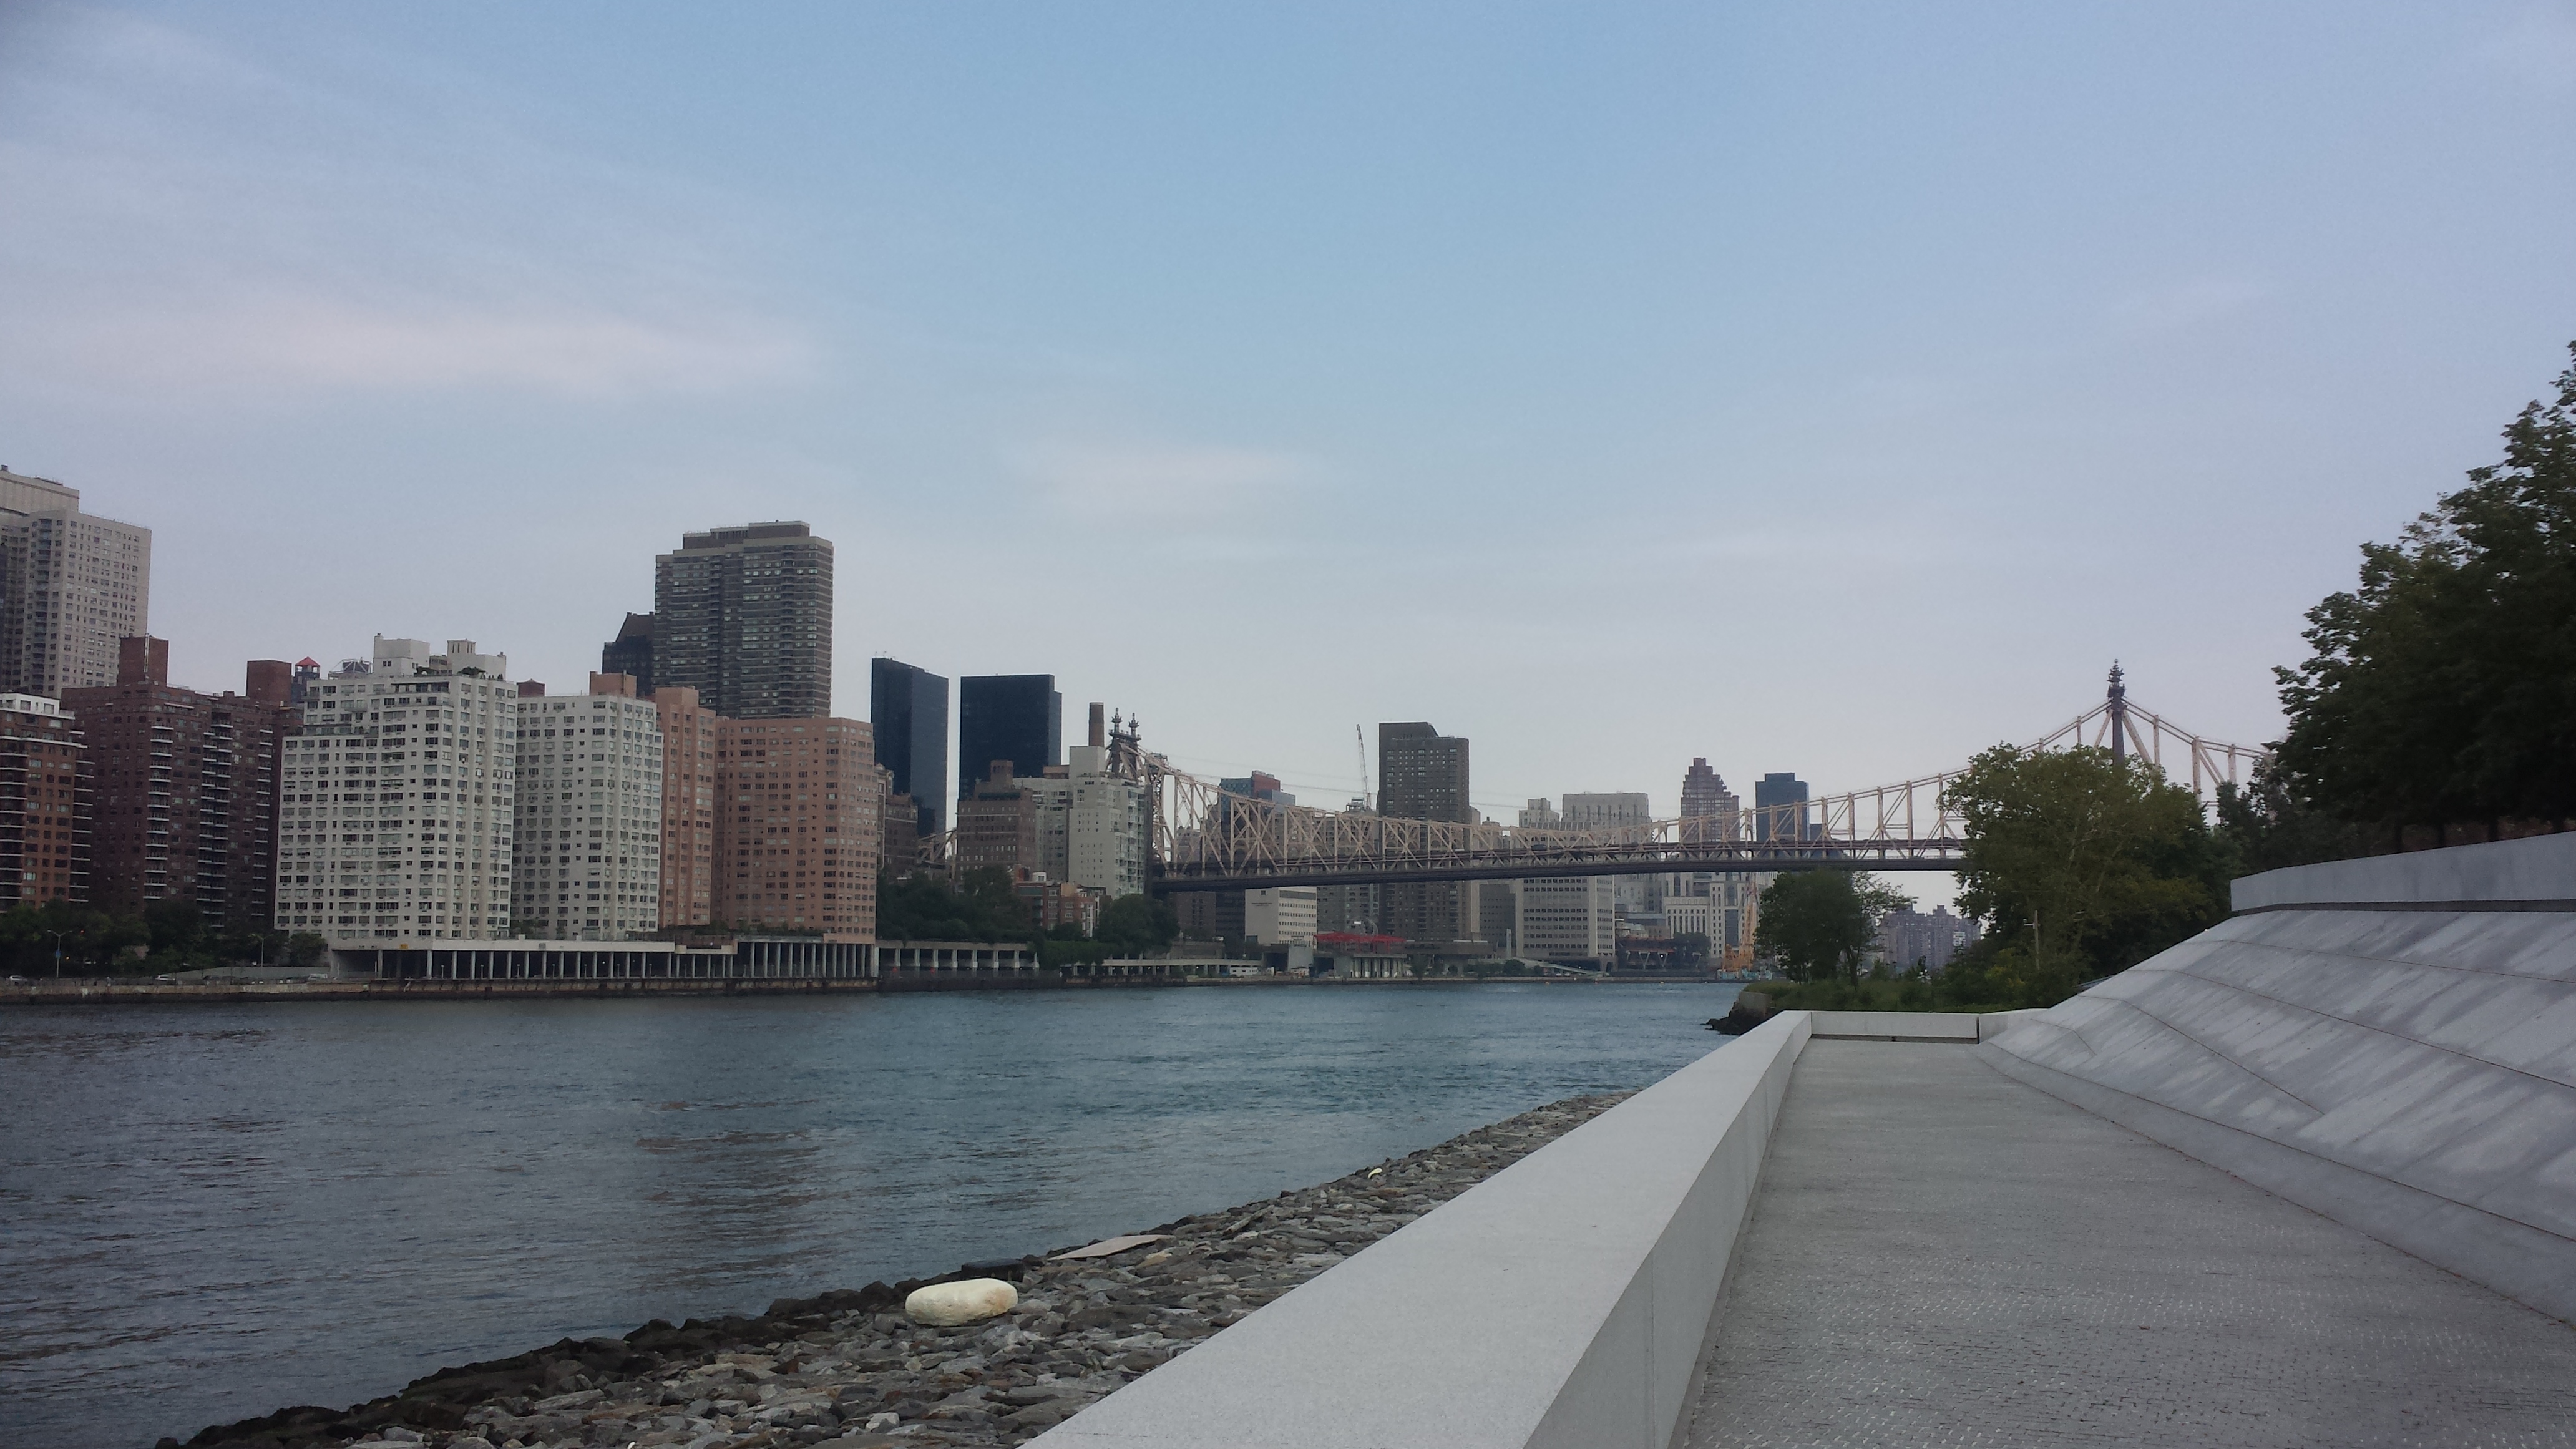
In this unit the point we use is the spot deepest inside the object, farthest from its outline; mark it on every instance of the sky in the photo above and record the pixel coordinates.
(1837, 390)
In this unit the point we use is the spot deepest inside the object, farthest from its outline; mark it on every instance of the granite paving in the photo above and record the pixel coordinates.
(1939, 1255)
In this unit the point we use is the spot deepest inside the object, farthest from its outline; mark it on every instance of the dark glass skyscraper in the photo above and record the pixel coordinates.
(1014, 717)
(744, 617)
(1778, 790)
(909, 707)
(631, 653)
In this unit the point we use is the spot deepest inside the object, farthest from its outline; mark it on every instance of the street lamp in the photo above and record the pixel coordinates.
(58, 953)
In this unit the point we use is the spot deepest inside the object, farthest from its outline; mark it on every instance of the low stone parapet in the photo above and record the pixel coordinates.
(1566, 1301)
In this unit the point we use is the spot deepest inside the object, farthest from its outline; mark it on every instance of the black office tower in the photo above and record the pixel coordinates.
(1014, 717)
(744, 617)
(909, 707)
(631, 653)
(1774, 818)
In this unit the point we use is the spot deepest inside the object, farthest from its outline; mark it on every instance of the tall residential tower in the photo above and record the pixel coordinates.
(71, 586)
(744, 616)
(1422, 775)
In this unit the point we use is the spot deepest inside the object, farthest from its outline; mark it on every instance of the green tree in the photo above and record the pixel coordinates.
(1820, 923)
(2442, 690)
(1134, 925)
(2269, 824)
(983, 906)
(304, 950)
(2084, 864)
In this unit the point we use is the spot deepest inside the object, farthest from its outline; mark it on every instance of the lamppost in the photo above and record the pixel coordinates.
(58, 953)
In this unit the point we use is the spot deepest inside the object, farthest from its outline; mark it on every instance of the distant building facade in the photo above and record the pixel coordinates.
(1930, 939)
(1014, 717)
(1423, 775)
(588, 863)
(1569, 919)
(398, 798)
(743, 615)
(908, 706)
(797, 827)
(44, 804)
(71, 585)
(690, 856)
(997, 825)
(631, 653)
(1772, 795)
(1280, 915)
(185, 788)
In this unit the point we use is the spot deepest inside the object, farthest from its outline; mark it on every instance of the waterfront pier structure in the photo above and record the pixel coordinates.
(2308, 1178)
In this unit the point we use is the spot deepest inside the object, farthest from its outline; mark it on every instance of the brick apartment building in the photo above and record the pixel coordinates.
(797, 827)
(44, 804)
(184, 796)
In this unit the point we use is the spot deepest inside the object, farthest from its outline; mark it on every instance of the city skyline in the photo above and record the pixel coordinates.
(2143, 405)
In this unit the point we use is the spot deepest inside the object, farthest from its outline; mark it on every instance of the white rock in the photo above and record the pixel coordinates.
(945, 1305)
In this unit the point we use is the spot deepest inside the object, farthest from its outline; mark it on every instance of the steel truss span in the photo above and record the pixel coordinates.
(1207, 839)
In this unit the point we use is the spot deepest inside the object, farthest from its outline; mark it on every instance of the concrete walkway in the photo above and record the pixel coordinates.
(1940, 1255)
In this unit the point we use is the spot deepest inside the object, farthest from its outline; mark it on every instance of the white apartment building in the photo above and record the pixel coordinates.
(1566, 918)
(1092, 824)
(395, 804)
(590, 816)
(71, 585)
(1280, 915)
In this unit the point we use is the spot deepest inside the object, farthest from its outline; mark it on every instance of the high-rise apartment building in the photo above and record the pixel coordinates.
(71, 585)
(689, 851)
(397, 799)
(1014, 717)
(44, 804)
(1422, 775)
(743, 616)
(588, 859)
(185, 788)
(631, 653)
(797, 827)
(909, 708)
(1108, 823)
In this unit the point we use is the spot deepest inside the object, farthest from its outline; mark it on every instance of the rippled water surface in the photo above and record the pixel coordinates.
(208, 1212)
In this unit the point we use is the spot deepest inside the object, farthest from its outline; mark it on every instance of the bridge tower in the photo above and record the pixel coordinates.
(2118, 704)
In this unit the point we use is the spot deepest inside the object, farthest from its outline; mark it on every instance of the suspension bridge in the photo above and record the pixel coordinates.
(1204, 837)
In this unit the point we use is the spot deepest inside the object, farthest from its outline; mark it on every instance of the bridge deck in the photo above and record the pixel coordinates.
(1940, 1255)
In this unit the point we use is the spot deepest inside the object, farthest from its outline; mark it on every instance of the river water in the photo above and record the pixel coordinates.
(209, 1212)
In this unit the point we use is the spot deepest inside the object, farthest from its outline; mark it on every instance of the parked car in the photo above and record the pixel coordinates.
(18, 981)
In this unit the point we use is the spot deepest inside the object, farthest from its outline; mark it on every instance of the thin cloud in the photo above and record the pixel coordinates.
(202, 241)
(2538, 48)
(1191, 481)
(2184, 306)
(291, 342)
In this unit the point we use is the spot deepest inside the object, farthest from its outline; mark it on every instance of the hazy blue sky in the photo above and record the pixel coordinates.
(1831, 389)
